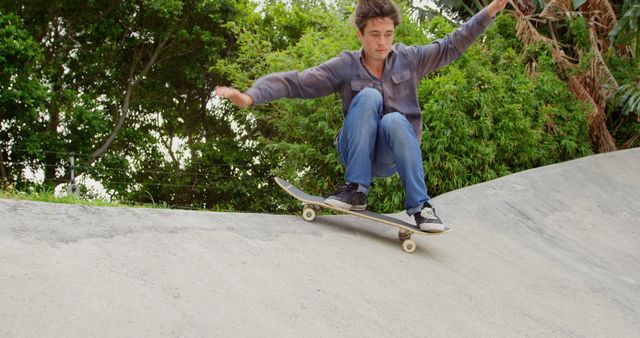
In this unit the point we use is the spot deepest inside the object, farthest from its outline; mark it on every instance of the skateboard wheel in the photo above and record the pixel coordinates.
(409, 246)
(308, 214)
(404, 234)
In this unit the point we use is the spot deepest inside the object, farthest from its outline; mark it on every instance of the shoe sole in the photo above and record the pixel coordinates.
(433, 230)
(342, 205)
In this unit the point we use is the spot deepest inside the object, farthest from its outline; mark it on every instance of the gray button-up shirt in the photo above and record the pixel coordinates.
(347, 74)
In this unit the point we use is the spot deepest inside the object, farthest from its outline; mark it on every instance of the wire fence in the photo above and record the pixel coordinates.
(67, 154)
(199, 178)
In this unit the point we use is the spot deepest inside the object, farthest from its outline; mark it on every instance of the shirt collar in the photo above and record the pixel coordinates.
(392, 51)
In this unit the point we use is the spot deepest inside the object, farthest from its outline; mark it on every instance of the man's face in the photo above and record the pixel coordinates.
(377, 38)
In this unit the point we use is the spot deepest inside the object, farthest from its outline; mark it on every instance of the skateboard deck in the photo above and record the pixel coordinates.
(313, 203)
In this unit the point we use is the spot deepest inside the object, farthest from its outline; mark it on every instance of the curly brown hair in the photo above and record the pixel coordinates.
(369, 9)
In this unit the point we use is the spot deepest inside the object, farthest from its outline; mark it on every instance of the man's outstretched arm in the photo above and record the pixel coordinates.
(443, 51)
(311, 83)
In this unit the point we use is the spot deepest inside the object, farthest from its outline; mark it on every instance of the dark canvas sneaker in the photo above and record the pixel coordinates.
(428, 221)
(348, 197)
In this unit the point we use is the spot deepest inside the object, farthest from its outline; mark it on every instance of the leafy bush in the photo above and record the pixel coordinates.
(486, 116)
(623, 108)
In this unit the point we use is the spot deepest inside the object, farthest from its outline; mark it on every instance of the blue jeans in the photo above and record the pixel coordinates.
(371, 144)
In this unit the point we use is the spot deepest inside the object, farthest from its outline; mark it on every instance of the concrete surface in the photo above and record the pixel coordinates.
(553, 251)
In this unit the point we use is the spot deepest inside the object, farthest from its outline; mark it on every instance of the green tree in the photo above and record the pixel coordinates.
(21, 97)
(122, 82)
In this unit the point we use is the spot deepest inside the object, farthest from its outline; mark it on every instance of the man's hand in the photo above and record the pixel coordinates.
(237, 97)
(496, 6)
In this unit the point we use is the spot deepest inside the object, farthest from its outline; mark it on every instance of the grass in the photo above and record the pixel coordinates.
(49, 197)
(45, 195)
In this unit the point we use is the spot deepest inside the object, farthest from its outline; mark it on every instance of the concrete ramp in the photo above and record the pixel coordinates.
(553, 251)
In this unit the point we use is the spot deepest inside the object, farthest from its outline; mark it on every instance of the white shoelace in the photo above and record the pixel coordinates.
(428, 213)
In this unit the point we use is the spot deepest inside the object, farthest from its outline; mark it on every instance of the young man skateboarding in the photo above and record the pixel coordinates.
(378, 85)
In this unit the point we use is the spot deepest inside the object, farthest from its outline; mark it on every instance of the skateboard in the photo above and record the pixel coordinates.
(314, 203)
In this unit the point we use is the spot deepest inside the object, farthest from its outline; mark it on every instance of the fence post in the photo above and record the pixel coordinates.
(73, 188)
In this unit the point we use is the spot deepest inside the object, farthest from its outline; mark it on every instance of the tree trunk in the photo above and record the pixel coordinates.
(601, 139)
(3, 173)
(50, 159)
(132, 82)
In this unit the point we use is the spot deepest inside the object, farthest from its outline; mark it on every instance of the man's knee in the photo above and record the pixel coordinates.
(370, 94)
(395, 123)
(367, 100)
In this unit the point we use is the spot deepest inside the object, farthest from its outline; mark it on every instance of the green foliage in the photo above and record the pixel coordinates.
(578, 32)
(456, 9)
(89, 58)
(623, 113)
(627, 30)
(45, 194)
(493, 112)
(485, 117)
(296, 135)
(623, 108)
(628, 99)
(21, 98)
(439, 27)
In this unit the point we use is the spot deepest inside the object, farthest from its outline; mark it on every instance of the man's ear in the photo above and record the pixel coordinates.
(360, 35)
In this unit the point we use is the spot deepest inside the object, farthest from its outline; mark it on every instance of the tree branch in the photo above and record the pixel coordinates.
(132, 82)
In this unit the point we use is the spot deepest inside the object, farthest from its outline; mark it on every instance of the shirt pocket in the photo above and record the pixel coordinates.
(401, 86)
(359, 85)
(401, 77)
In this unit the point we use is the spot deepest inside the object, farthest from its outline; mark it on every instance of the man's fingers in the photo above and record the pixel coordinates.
(222, 91)
(235, 96)
(228, 93)
(496, 6)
